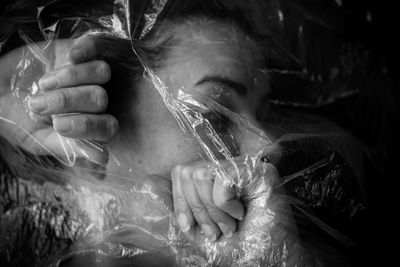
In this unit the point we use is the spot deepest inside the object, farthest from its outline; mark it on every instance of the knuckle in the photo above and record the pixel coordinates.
(200, 174)
(175, 172)
(198, 211)
(182, 172)
(63, 100)
(212, 209)
(186, 173)
(179, 201)
(70, 74)
(177, 169)
(215, 213)
(85, 124)
(103, 71)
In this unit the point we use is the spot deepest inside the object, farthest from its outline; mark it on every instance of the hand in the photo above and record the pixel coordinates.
(202, 198)
(259, 236)
(70, 102)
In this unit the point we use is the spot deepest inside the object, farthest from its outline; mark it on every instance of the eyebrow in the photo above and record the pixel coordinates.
(241, 89)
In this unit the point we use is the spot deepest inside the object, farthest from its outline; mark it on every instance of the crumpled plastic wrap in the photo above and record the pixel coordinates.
(46, 222)
(309, 217)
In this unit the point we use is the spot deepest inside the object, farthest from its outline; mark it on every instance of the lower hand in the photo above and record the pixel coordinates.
(203, 202)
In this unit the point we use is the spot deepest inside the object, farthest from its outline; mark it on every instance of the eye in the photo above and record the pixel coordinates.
(224, 127)
(220, 123)
(224, 97)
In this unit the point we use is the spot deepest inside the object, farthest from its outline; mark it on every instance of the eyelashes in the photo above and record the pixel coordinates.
(220, 123)
(224, 128)
(212, 110)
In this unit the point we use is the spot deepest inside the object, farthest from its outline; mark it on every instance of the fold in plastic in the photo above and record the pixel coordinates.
(317, 200)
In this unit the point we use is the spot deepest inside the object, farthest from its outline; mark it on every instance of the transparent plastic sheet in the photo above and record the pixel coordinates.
(119, 217)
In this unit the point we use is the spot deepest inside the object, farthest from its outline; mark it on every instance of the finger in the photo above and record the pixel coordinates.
(224, 196)
(93, 72)
(85, 48)
(181, 207)
(203, 180)
(199, 211)
(89, 98)
(86, 126)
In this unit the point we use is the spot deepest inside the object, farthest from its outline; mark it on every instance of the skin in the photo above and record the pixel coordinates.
(74, 86)
(213, 56)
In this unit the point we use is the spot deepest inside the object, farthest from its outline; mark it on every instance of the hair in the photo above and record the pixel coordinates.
(168, 28)
(127, 57)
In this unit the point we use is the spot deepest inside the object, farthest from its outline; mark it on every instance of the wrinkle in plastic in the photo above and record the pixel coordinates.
(127, 219)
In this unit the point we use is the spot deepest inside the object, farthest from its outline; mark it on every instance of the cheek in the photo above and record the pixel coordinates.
(159, 141)
(165, 147)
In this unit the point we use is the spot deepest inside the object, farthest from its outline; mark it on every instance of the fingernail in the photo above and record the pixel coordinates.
(183, 222)
(226, 230)
(114, 126)
(208, 231)
(76, 54)
(48, 82)
(63, 125)
(37, 104)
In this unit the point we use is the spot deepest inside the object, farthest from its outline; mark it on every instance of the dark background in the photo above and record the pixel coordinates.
(371, 115)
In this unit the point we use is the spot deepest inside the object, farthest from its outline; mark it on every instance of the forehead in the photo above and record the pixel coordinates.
(209, 47)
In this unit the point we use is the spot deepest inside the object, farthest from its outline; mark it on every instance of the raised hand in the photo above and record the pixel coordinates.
(67, 104)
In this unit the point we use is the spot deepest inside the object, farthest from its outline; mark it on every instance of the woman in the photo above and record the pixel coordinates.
(201, 66)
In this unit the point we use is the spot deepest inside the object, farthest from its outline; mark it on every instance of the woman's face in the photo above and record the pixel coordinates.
(212, 60)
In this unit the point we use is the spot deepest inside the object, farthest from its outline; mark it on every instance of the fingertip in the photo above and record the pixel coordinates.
(239, 213)
(209, 232)
(183, 222)
(103, 71)
(62, 124)
(114, 126)
(234, 208)
(48, 82)
(83, 49)
(237, 216)
(76, 55)
(226, 229)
